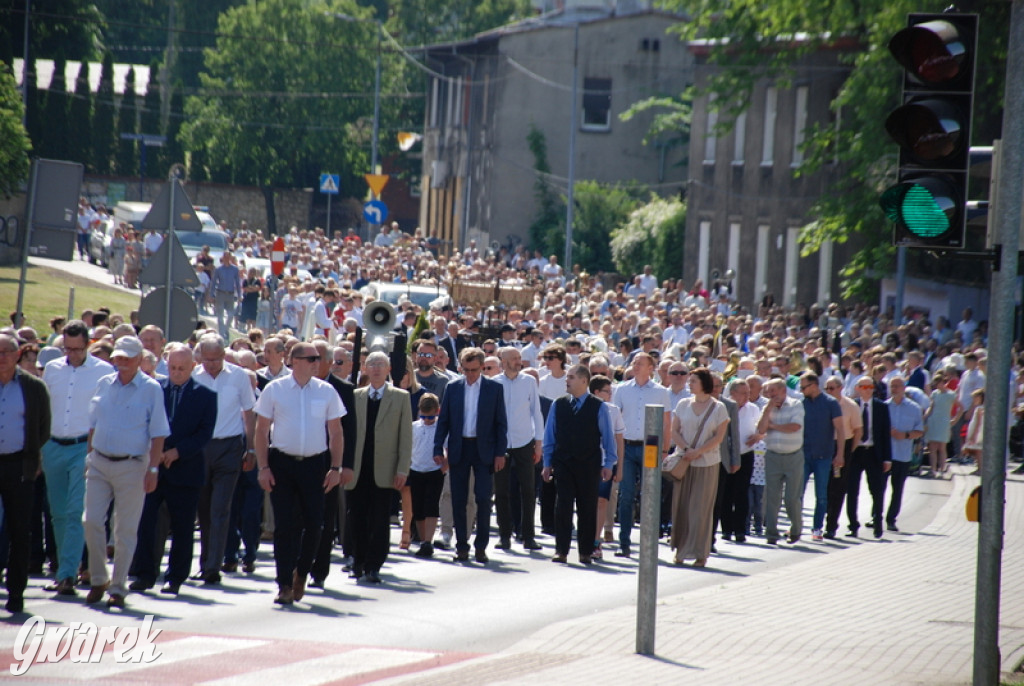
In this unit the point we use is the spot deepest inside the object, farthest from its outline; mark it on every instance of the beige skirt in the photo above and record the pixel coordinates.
(693, 504)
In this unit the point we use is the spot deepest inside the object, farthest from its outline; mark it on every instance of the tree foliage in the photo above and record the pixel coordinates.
(651, 235)
(126, 157)
(104, 116)
(600, 208)
(281, 111)
(52, 142)
(14, 142)
(746, 35)
(423, 22)
(550, 217)
(80, 120)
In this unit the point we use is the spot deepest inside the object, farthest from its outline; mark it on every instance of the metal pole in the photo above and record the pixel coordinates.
(168, 285)
(650, 520)
(376, 105)
(1003, 290)
(71, 303)
(328, 216)
(901, 283)
(31, 216)
(25, 71)
(570, 205)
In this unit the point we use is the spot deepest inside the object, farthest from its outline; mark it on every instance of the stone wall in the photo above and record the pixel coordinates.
(225, 202)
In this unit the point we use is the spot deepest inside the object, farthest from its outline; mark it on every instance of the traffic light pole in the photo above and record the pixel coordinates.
(1003, 292)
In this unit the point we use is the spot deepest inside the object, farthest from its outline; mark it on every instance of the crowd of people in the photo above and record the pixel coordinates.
(293, 430)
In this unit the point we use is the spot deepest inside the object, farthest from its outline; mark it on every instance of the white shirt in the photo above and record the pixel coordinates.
(551, 387)
(675, 335)
(970, 381)
(632, 399)
(423, 447)
(153, 241)
(530, 354)
(648, 282)
(747, 419)
(469, 410)
(618, 426)
(323, 322)
(522, 407)
(299, 414)
(674, 398)
(71, 389)
(234, 396)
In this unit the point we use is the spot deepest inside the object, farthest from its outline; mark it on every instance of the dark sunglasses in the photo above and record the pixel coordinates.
(307, 358)
(425, 354)
(679, 373)
(430, 417)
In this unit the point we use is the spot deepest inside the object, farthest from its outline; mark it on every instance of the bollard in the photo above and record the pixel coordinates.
(650, 523)
(71, 303)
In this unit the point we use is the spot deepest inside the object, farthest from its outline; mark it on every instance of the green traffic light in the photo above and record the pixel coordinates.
(924, 210)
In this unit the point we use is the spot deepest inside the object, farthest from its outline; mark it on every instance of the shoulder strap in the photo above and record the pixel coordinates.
(703, 421)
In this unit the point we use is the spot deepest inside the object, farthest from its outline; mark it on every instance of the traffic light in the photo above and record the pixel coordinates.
(927, 206)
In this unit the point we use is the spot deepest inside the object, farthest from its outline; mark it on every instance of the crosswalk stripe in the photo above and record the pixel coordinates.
(328, 669)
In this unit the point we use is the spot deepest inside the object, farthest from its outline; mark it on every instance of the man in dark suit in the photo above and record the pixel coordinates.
(873, 456)
(443, 340)
(383, 454)
(728, 468)
(473, 421)
(334, 499)
(24, 428)
(192, 414)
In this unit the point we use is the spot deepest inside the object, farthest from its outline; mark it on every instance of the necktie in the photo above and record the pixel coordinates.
(175, 395)
(867, 422)
(375, 395)
(576, 405)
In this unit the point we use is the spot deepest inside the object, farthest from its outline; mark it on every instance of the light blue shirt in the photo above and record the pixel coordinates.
(125, 418)
(604, 424)
(12, 417)
(904, 416)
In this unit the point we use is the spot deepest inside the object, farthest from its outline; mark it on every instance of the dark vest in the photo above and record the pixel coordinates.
(577, 436)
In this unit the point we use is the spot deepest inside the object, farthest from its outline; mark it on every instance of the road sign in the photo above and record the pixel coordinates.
(329, 183)
(277, 257)
(375, 212)
(185, 218)
(182, 322)
(376, 182)
(155, 273)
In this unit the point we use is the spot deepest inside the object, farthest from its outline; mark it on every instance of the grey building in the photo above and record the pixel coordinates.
(746, 202)
(485, 93)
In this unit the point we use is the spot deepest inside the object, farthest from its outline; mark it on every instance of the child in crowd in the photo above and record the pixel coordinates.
(425, 476)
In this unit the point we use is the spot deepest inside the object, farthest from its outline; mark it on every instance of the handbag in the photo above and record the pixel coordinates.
(674, 466)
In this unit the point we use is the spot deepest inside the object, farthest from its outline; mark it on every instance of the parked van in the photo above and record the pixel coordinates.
(131, 213)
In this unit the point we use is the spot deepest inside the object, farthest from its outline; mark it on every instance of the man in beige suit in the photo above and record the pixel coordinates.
(383, 453)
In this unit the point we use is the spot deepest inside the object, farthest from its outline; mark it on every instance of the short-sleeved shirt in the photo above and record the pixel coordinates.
(904, 416)
(791, 412)
(234, 396)
(690, 422)
(633, 400)
(125, 418)
(819, 432)
(299, 414)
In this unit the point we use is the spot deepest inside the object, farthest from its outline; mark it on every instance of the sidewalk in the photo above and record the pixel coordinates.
(898, 611)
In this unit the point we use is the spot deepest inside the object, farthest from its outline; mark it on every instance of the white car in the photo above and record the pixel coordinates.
(393, 292)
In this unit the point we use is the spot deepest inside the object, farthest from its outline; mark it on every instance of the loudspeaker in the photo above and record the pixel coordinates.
(379, 318)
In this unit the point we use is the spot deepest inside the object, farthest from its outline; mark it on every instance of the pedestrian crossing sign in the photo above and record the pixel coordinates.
(329, 183)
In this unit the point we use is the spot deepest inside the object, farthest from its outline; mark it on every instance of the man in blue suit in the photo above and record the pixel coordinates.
(473, 422)
(192, 414)
(872, 457)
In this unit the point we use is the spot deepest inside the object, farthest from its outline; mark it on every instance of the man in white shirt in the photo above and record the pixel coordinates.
(322, 320)
(71, 381)
(781, 427)
(632, 398)
(648, 281)
(532, 351)
(677, 334)
(228, 452)
(525, 438)
(299, 464)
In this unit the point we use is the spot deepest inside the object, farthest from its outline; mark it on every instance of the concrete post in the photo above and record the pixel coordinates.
(650, 522)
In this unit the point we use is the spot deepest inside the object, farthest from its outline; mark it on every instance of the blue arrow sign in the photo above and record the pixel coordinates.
(375, 212)
(329, 183)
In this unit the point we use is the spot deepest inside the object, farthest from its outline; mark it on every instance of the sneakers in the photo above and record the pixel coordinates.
(816, 535)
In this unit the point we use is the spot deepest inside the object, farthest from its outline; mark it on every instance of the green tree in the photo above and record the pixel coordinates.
(104, 116)
(174, 152)
(744, 41)
(600, 208)
(653, 234)
(34, 122)
(256, 120)
(670, 124)
(53, 143)
(14, 141)
(422, 22)
(71, 26)
(149, 122)
(127, 160)
(80, 120)
(550, 219)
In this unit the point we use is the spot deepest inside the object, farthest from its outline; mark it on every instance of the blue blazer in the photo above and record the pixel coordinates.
(491, 421)
(191, 430)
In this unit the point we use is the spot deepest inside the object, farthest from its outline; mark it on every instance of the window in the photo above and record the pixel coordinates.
(710, 137)
(739, 139)
(771, 102)
(799, 125)
(597, 104)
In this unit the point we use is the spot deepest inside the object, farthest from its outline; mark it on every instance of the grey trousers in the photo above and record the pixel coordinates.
(783, 483)
(122, 482)
(223, 457)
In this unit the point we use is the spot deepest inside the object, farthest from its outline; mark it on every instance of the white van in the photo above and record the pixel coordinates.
(131, 212)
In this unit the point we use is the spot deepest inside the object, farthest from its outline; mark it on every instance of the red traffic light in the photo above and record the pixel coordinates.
(929, 129)
(933, 52)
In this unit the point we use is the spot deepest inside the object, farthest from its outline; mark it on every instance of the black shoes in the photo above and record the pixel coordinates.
(170, 588)
(371, 578)
(481, 556)
(504, 544)
(426, 550)
(532, 545)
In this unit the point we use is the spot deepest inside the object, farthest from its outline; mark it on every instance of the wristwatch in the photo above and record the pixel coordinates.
(154, 470)
(336, 469)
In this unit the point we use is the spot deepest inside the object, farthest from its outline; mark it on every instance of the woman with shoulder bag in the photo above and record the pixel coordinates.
(699, 424)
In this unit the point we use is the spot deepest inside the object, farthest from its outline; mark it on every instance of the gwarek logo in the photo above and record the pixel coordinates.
(81, 642)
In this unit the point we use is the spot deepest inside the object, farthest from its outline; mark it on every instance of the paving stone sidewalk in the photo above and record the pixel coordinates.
(898, 611)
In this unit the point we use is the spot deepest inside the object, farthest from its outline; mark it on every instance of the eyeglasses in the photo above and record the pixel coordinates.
(678, 373)
(338, 363)
(428, 417)
(307, 358)
(427, 355)
(805, 386)
(550, 357)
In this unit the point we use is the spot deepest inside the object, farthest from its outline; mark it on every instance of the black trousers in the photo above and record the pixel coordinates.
(182, 504)
(332, 514)
(546, 495)
(483, 490)
(519, 460)
(898, 477)
(298, 501)
(17, 494)
(576, 484)
(734, 497)
(865, 461)
(837, 487)
(369, 514)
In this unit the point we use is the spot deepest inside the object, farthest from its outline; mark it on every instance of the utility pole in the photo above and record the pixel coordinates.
(570, 204)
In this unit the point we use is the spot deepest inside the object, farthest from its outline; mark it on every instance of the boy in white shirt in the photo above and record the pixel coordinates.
(425, 476)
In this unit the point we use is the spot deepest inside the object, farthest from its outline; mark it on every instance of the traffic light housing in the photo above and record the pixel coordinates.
(927, 206)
